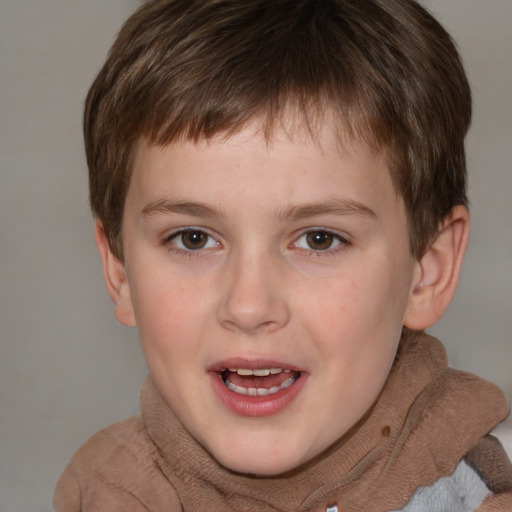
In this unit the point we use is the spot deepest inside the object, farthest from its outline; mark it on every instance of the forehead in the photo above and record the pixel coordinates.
(296, 164)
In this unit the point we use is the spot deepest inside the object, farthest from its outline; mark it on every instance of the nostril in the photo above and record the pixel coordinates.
(245, 325)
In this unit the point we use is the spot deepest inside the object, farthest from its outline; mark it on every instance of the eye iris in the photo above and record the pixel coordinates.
(194, 239)
(320, 240)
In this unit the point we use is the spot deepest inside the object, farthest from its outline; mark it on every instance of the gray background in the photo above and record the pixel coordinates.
(66, 367)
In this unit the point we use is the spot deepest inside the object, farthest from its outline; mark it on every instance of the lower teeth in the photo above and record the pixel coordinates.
(260, 391)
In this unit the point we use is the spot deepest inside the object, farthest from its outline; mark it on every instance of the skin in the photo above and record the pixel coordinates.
(260, 289)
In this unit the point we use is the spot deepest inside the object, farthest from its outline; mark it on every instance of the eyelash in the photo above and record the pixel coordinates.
(189, 253)
(341, 242)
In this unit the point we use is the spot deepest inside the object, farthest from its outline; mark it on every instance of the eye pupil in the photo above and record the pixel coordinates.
(320, 240)
(194, 239)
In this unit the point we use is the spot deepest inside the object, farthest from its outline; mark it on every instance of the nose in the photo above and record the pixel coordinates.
(253, 298)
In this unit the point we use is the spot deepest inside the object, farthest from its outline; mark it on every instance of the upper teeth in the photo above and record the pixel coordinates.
(261, 372)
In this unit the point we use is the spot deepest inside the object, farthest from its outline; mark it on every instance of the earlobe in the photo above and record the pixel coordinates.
(115, 278)
(437, 272)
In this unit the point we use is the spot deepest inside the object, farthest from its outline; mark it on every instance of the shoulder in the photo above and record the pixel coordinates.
(481, 481)
(503, 432)
(463, 491)
(120, 445)
(115, 470)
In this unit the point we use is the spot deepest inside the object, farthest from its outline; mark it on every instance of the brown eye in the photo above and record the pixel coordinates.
(192, 240)
(320, 240)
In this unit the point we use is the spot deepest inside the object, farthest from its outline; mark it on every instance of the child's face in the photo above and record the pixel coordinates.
(291, 255)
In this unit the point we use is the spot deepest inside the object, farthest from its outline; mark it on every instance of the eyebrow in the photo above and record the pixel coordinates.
(292, 212)
(331, 207)
(166, 206)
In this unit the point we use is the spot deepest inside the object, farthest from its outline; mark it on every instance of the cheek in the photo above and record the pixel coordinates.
(167, 308)
(359, 331)
(356, 309)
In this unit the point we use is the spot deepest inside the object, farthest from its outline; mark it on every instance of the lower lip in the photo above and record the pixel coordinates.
(256, 406)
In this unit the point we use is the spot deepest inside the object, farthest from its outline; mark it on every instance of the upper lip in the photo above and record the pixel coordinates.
(251, 364)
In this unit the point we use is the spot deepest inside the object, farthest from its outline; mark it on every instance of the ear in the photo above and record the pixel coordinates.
(115, 279)
(437, 272)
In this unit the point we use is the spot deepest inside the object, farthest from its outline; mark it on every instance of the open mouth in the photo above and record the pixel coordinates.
(258, 382)
(256, 388)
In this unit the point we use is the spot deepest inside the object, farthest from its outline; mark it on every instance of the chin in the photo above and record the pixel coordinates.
(258, 469)
(264, 463)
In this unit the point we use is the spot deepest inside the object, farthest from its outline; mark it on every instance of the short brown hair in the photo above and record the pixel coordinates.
(186, 69)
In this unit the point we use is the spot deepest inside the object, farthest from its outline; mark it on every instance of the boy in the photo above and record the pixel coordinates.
(279, 194)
